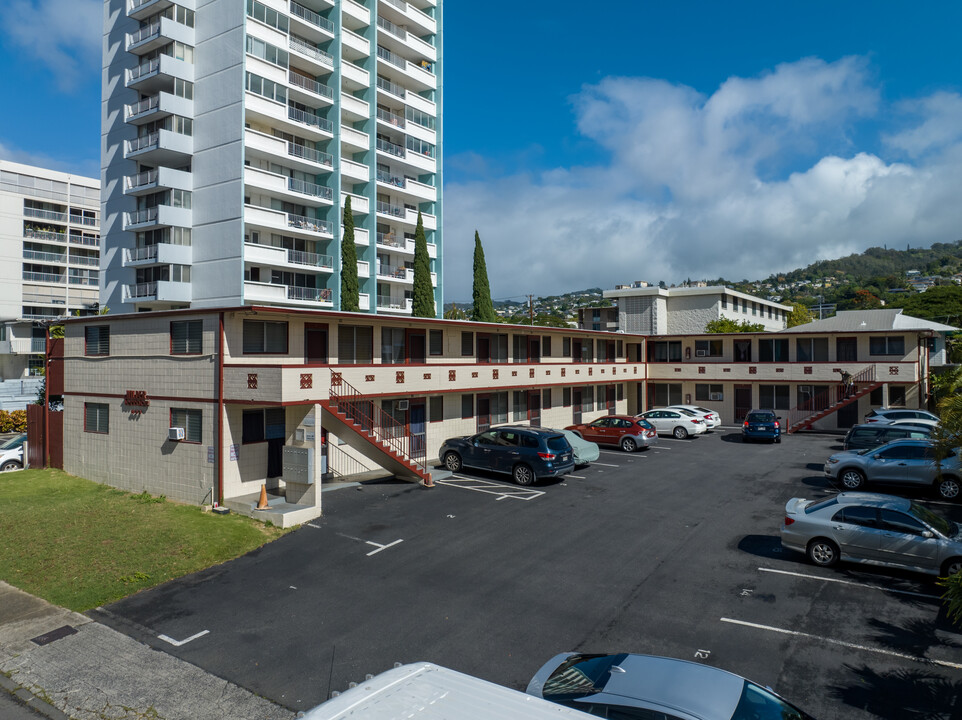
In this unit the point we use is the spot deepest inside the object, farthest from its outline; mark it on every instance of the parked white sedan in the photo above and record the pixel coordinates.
(670, 421)
(712, 419)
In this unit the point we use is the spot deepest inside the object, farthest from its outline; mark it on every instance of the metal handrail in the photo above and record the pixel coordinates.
(143, 33)
(43, 277)
(78, 239)
(310, 154)
(388, 178)
(141, 179)
(827, 399)
(44, 256)
(144, 141)
(143, 69)
(395, 30)
(312, 86)
(310, 119)
(390, 148)
(305, 48)
(312, 17)
(384, 54)
(389, 209)
(391, 118)
(142, 106)
(45, 235)
(341, 465)
(391, 240)
(141, 290)
(141, 216)
(302, 222)
(391, 302)
(142, 253)
(308, 188)
(84, 260)
(371, 418)
(391, 87)
(45, 214)
(302, 257)
(308, 293)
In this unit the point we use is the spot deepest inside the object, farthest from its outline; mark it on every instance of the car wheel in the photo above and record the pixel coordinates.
(628, 445)
(951, 567)
(778, 439)
(452, 461)
(522, 474)
(680, 433)
(852, 479)
(948, 488)
(10, 465)
(823, 552)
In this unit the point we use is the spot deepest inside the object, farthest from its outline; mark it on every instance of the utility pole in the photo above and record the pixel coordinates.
(531, 309)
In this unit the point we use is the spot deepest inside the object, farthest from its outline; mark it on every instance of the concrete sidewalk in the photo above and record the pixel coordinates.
(65, 665)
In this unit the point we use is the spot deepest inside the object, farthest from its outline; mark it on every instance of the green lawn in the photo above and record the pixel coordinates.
(79, 544)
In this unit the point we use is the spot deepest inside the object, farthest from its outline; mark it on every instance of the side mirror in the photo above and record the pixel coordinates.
(877, 456)
(928, 534)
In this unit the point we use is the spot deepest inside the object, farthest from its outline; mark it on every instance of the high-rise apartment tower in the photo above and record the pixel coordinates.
(235, 130)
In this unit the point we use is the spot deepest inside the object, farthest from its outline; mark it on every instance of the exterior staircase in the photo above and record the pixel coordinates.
(363, 425)
(802, 416)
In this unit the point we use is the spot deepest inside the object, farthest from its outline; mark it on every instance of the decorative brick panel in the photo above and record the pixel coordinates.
(701, 369)
(494, 374)
(753, 370)
(474, 375)
(335, 379)
(591, 371)
(530, 372)
(399, 377)
(778, 370)
(452, 375)
(251, 381)
(807, 370)
(368, 378)
(893, 369)
(677, 369)
(307, 381)
(427, 376)
(563, 371)
(547, 372)
(726, 369)
(514, 373)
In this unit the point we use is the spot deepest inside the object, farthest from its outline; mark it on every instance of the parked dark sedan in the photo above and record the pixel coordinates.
(862, 437)
(762, 425)
(526, 454)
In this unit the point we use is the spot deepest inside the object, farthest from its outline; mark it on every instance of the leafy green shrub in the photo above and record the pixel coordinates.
(13, 421)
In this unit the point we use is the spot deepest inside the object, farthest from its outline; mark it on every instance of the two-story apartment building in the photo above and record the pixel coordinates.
(209, 405)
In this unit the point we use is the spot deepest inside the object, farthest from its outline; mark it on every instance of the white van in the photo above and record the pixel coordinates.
(431, 692)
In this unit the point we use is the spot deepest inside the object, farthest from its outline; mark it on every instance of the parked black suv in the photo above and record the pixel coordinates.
(872, 435)
(525, 453)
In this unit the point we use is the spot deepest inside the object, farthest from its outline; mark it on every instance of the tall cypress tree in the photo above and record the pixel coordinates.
(423, 305)
(482, 309)
(350, 289)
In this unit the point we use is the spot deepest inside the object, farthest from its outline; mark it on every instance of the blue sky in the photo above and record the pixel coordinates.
(592, 145)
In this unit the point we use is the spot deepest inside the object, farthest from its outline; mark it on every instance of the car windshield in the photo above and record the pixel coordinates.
(580, 676)
(13, 442)
(756, 703)
(936, 521)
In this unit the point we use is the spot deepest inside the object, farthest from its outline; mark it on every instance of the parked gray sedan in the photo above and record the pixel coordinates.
(900, 462)
(875, 529)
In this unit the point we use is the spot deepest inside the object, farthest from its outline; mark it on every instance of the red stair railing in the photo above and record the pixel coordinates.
(834, 396)
(363, 412)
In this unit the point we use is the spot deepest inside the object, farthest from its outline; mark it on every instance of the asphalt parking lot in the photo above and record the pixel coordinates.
(674, 551)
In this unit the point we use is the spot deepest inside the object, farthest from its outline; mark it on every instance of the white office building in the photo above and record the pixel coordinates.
(686, 310)
(234, 131)
(49, 265)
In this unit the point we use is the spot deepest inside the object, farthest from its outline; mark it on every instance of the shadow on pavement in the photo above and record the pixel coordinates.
(766, 546)
(917, 694)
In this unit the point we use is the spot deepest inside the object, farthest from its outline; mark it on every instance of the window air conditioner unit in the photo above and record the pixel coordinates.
(175, 433)
(701, 353)
(402, 404)
(805, 388)
(715, 397)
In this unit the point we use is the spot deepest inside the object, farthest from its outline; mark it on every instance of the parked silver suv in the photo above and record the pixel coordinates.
(900, 462)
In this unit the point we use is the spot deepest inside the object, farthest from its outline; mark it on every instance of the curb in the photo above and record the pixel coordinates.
(25, 697)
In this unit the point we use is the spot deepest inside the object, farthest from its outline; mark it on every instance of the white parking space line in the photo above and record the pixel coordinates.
(379, 546)
(867, 586)
(575, 477)
(178, 643)
(842, 643)
(605, 464)
(491, 488)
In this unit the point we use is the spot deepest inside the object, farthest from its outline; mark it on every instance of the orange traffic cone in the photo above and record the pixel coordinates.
(262, 503)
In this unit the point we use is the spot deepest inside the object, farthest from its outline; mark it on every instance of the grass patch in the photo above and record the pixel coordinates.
(80, 544)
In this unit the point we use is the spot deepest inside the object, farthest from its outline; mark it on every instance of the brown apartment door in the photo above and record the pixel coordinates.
(484, 412)
(315, 343)
(417, 346)
(743, 401)
(534, 407)
(846, 349)
(576, 405)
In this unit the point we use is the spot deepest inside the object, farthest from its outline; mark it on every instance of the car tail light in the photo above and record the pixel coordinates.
(777, 425)
(789, 520)
(745, 424)
(547, 456)
(650, 433)
(697, 422)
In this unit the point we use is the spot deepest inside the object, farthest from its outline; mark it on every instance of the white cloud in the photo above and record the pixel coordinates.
(940, 126)
(87, 168)
(699, 186)
(65, 35)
